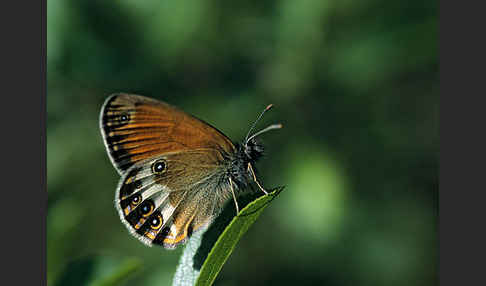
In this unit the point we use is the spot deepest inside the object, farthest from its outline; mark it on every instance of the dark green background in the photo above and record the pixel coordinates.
(355, 84)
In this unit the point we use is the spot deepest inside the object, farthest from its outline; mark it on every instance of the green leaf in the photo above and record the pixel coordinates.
(206, 253)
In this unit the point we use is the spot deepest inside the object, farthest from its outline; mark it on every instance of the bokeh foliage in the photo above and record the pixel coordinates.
(355, 84)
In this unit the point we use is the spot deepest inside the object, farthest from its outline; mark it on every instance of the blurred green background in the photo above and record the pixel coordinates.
(355, 84)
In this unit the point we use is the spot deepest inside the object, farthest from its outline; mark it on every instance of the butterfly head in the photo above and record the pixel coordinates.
(252, 150)
(249, 152)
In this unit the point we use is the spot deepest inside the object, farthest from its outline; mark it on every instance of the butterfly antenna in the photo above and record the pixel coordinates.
(271, 127)
(256, 121)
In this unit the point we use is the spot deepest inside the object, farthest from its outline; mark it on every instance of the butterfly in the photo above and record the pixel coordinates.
(176, 170)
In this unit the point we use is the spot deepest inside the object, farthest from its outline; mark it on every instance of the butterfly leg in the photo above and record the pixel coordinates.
(250, 168)
(234, 196)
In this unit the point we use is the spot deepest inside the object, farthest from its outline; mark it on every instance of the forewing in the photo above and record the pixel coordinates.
(166, 207)
(136, 128)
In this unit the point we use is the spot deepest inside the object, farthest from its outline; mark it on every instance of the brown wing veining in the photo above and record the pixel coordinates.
(136, 128)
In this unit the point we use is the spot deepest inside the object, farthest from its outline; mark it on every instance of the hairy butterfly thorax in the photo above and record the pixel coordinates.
(245, 154)
(176, 170)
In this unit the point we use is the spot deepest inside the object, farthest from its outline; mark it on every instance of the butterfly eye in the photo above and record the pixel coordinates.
(136, 199)
(159, 166)
(156, 222)
(146, 208)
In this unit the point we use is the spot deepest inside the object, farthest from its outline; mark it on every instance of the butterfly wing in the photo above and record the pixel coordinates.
(135, 128)
(172, 166)
(166, 205)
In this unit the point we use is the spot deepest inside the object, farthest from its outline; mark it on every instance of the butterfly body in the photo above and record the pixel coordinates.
(176, 170)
